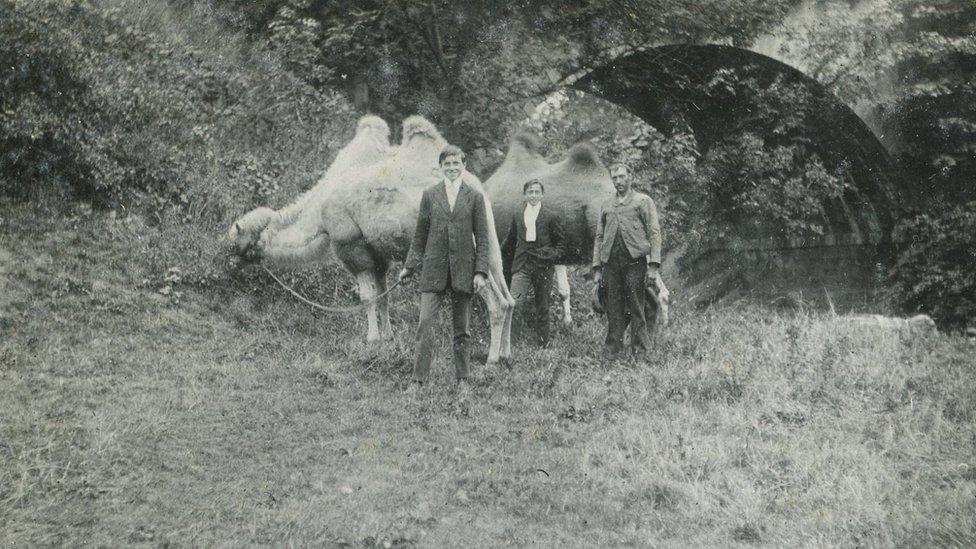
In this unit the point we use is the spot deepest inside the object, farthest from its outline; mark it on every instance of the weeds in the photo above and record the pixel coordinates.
(236, 416)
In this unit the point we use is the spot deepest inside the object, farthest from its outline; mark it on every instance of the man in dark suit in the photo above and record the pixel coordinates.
(534, 242)
(450, 261)
(626, 251)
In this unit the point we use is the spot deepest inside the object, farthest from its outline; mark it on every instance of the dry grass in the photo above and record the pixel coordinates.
(233, 417)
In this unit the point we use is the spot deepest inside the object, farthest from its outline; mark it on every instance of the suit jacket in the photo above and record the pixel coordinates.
(546, 249)
(636, 221)
(442, 245)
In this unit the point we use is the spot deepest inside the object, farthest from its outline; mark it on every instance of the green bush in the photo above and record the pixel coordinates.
(151, 106)
(752, 189)
(936, 268)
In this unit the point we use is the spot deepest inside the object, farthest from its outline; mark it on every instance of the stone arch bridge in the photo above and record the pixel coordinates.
(668, 86)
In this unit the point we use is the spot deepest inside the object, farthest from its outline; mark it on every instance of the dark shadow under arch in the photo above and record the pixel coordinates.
(668, 85)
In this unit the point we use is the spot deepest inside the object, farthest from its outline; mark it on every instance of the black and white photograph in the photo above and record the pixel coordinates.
(528, 273)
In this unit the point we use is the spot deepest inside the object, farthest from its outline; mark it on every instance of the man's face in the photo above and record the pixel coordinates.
(621, 180)
(451, 167)
(533, 195)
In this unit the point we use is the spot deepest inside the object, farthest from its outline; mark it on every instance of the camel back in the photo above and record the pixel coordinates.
(574, 189)
(380, 202)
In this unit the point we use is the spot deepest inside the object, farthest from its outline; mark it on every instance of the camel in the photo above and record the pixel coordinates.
(292, 235)
(365, 209)
(574, 187)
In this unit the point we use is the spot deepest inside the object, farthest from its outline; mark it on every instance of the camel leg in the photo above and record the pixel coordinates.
(509, 305)
(499, 318)
(505, 349)
(665, 297)
(367, 292)
(562, 285)
(383, 307)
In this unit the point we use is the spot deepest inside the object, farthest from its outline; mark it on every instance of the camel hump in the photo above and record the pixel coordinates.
(583, 157)
(526, 141)
(416, 126)
(373, 123)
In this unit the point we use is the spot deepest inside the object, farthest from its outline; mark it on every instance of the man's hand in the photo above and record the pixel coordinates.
(652, 270)
(405, 273)
(597, 276)
(480, 281)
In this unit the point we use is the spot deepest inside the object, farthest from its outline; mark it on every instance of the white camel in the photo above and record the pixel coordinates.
(293, 235)
(366, 208)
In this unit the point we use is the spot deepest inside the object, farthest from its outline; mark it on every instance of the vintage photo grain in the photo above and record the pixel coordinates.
(535, 273)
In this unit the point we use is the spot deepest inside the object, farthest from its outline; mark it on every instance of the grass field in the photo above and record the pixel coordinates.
(221, 415)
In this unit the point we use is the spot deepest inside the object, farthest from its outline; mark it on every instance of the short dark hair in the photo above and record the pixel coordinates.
(531, 182)
(616, 165)
(450, 150)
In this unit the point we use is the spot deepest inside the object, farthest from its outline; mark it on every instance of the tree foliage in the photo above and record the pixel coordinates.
(909, 66)
(475, 67)
(127, 101)
(935, 273)
(112, 104)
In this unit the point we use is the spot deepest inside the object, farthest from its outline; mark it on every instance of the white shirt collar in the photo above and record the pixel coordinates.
(453, 188)
(530, 215)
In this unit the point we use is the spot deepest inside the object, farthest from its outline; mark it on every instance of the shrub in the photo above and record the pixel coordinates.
(752, 189)
(155, 106)
(936, 268)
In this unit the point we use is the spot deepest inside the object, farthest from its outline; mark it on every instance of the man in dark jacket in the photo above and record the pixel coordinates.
(626, 251)
(534, 242)
(450, 261)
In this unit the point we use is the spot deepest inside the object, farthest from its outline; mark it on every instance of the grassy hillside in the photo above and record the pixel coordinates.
(230, 414)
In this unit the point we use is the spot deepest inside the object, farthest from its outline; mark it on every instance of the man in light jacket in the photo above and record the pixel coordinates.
(626, 250)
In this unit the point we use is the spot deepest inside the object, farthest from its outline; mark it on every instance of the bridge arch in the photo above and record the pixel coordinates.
(669, 85)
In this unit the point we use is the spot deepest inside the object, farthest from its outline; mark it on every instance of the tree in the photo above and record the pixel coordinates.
(909, 66)
(473, 67)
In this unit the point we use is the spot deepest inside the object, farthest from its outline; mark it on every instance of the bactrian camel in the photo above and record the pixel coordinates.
(366, 208)
(574, 187)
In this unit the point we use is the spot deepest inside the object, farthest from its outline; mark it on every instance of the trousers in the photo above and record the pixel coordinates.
(538, 279)
(625, 279)
(430, 303)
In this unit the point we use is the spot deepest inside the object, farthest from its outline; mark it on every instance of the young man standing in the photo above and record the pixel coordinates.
(535, 239)
(627, 250)
(450, 261)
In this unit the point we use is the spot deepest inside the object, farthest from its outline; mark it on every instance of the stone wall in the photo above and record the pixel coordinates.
(848, 275)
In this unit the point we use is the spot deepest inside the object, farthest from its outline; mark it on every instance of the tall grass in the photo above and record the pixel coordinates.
(232, 415)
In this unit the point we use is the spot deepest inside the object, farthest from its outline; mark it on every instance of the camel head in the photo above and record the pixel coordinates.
(245, 232)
